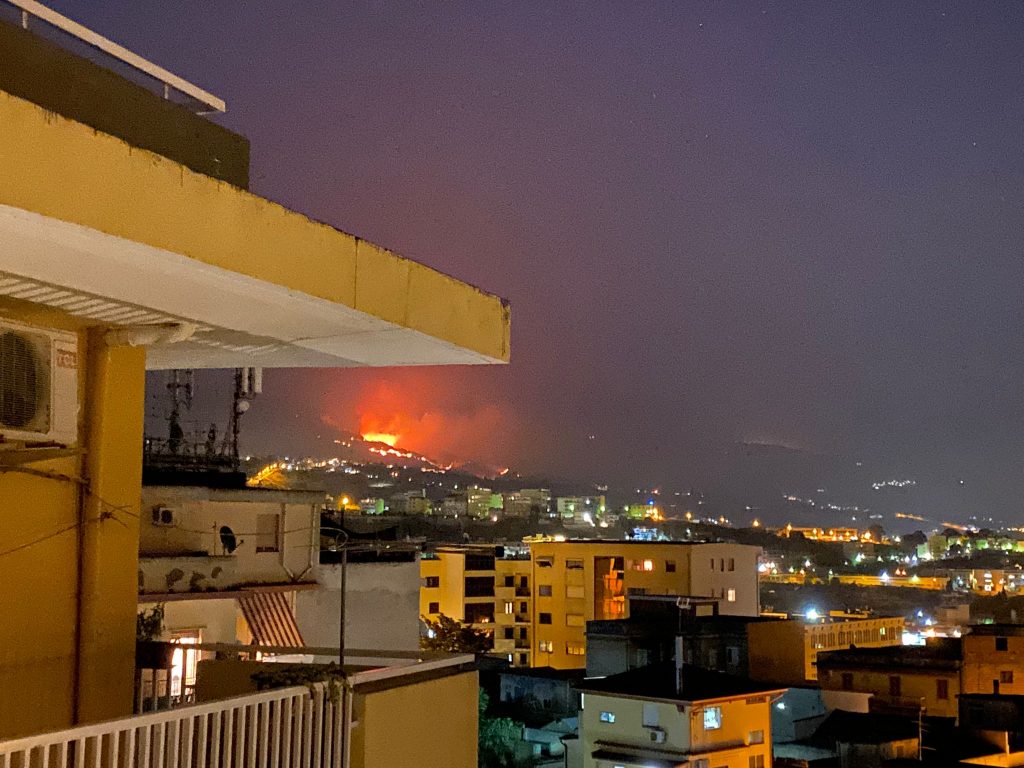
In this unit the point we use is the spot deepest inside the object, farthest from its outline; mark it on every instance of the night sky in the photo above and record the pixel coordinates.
(797, 224)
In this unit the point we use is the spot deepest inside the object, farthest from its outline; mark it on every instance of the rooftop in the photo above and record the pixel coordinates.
(658, 681)
(940, 653)
(1016, 630)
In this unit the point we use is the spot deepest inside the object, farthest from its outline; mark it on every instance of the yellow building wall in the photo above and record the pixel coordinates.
(786, 650)
(983, 664)
(745, 731)
(914, 686)
(431, 723)
(573, 600)
(70, 552)
(744, 721)
(777, 651)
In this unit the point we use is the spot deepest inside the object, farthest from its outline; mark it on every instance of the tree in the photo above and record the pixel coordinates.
(447, 634)
(497, 738)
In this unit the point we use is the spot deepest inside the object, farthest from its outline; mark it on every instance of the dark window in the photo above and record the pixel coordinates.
(508, 633)
(574, 565)
(544, 590)
(1001, 644)
(543, 618)
(432, 581)
(847, 678)
(895, 686)
(1006, 676)
(732, 564)
(712, 563)
(544, 562)
(522, 607)
(479, 586)
(670, 566)
(479, 562)
(942, 689)
(510, 581)
(434, 608)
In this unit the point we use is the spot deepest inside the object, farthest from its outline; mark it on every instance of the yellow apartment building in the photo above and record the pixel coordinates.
(644, 717)
(786, 651)
(902, 679)
(486, 586)
(987, 660)
(131, 243)
(579, 581)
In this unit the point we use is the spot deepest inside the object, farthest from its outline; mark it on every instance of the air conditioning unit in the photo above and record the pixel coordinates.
(164, 516)
(658, 736)
(38, 385)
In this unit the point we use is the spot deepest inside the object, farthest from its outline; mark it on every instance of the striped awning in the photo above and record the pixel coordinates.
(271, 619)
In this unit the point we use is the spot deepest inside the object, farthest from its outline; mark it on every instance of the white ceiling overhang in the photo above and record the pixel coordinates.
(240, 320)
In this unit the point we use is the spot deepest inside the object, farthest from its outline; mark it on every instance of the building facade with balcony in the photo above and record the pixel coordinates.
(579, 581)
(131, 244)
(487, 587)
(658, 715)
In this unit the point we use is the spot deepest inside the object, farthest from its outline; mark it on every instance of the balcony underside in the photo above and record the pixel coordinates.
(101, 231)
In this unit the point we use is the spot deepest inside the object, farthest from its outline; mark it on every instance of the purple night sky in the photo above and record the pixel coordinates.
(788, 223)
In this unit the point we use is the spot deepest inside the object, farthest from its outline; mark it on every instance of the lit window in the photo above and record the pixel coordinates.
(648, 565)
(731, 596)
(607, 717)
(712, 718)
(546, 646)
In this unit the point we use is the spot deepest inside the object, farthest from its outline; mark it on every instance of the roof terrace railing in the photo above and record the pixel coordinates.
(170, 81)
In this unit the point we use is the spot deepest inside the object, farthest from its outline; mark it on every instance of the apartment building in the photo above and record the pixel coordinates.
(786, 650)
(658, 715)
(900, 679)
(486, 586)
(579, 581)
(131, 243)
(988, 660)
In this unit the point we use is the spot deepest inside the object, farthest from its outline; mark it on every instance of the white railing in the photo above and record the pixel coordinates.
(299, 727)
(31, 8)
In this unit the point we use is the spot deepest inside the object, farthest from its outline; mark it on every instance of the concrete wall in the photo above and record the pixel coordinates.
(191, 548)
(68, 585)
(382, 607)
(52, 77)
(219, 620)
(430, 723)
(56, 167)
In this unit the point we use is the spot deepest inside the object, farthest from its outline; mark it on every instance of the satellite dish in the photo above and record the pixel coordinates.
(228, 539)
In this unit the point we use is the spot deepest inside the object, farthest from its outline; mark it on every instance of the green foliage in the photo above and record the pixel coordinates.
(497, 738)
(149, 624)
(273, 676)
(447, 634)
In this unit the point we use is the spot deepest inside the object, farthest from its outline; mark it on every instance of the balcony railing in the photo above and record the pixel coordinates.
(299, 726)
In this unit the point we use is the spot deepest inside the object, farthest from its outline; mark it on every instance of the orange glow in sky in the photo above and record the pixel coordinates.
(381, 437)
(418, 410)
